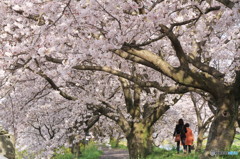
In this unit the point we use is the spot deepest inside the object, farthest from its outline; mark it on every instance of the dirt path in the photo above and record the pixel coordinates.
(114, 153)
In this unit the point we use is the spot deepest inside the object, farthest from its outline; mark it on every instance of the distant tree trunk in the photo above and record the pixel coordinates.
(75, 148)
(112, 141)
(202, 122)
(238, 120)
(140, 142)
(118, 139)
(200, 139)
(222, 130)
(115, 141)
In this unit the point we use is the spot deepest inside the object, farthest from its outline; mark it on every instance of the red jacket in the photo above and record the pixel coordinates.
(189, 137)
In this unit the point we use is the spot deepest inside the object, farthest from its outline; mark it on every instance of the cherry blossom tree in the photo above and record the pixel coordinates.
(40, 119)
(132, 108)
(136, 117)
(193, 43)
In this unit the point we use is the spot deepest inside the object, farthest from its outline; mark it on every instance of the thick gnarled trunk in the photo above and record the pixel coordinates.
(222, 130)
(139, 141)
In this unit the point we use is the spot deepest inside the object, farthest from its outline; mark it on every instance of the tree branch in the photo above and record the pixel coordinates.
(208, 121)
(158, 111)
(154, 84)
(205, 68)
(181, 75)
(197, 110)
(133, 58)
(227, 3)
(113, 94)
(154, 4)
(51, 136)
(141, 10)
(64, 9)
(176, 43)
(117, 117)
(136, 104)
(127, 95)
(91, 122)
(39, 130)
(119, 23)
(54, 60)
(53, 85)
(212, 9)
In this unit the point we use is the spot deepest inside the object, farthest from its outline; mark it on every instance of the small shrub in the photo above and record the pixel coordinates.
(24, 154)
(91, 152)
(113, 143)
(63, 153)
(119, 145)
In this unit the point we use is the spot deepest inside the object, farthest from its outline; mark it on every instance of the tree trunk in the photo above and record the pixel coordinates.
(114, 142)
(75, 148)
(140, 142)
(111, 140)
(118, 140)
(222, 130)
(200, 139)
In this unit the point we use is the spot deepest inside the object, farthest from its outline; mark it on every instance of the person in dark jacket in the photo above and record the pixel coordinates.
(181, 130)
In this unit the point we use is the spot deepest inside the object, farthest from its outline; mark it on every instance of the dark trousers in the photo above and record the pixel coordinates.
(189, 148)
(183, 143)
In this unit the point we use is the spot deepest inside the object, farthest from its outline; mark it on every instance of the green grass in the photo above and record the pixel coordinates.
(172, 154)
(237, 140)
(233, 148)
(63, 153)
(121, 145)
(89, 152)
(24, 154)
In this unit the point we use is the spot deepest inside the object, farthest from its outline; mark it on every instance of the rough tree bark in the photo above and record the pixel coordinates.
(200, 139)
(222, 130)
(139, 141)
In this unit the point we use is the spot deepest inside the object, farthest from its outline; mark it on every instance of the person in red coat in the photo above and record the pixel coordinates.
(189, 138)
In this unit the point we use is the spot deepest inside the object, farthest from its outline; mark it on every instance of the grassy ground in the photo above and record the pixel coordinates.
(172, 154)
(236, 141)
(89, 152)
(121, 145)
